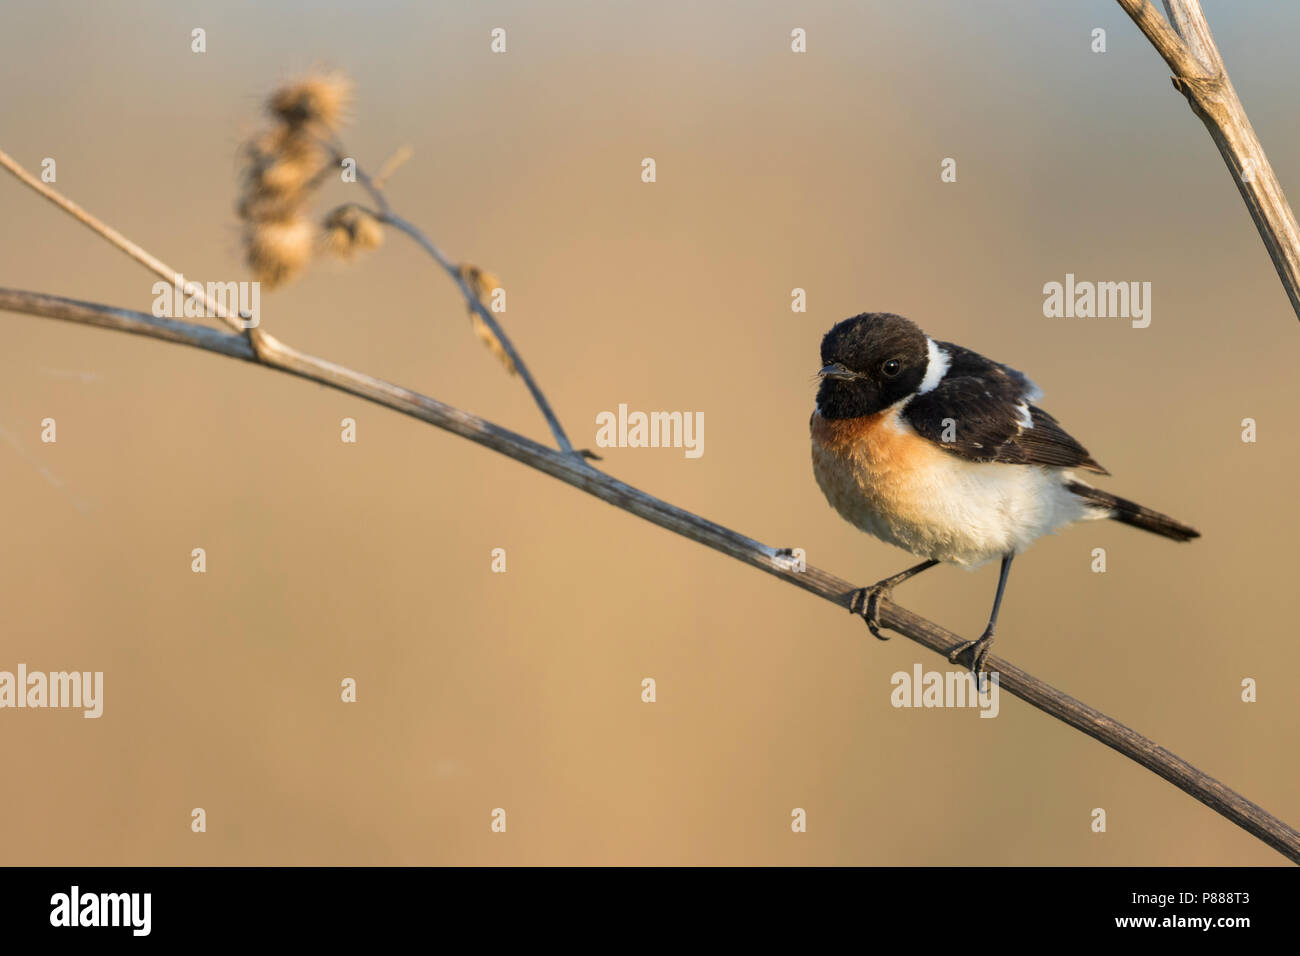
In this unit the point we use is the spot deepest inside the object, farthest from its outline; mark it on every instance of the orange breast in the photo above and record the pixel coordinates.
(879, 442)
(873, 472)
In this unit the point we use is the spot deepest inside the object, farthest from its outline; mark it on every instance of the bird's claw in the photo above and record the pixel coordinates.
(979, 649)
(865, 602)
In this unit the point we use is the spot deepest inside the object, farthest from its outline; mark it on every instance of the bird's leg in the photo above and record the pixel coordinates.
(865, 600)
(979, 647)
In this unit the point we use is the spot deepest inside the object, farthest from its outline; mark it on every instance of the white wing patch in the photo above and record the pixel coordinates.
(936, 367)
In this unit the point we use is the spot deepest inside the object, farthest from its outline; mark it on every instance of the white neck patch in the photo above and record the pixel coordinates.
(936, 367)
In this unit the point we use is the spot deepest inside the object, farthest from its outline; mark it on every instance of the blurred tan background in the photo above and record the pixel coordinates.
(480, 690)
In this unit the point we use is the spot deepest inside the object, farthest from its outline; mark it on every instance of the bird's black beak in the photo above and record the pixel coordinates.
(838, 372)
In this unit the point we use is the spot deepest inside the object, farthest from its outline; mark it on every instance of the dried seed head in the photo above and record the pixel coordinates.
(317, 98)
(288, 175)
(278, 250)
(261, 206)
(282, 167)
(279, 167)
(349, 229)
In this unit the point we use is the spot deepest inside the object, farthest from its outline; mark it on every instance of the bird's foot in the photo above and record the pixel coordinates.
(979, 652)
(865, 602)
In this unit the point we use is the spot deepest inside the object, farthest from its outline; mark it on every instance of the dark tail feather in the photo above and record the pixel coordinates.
(1129, 512)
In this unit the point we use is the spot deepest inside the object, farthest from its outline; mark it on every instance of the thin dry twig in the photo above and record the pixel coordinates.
(386, 215)
(1186, 44)
(391, 165)
(136, 252)
(1144, 751)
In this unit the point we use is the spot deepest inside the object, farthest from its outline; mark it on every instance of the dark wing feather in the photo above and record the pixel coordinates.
(983, 410)
(963, 361)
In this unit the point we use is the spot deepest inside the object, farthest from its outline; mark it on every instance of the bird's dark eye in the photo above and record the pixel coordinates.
(892, 367)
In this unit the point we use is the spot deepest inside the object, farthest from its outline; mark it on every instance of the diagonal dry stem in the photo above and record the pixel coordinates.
(138, 253)
(1186, 44)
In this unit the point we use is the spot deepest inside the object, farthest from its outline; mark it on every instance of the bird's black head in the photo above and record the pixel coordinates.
(870, 361)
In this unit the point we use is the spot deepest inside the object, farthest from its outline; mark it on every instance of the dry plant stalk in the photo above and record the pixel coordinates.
(1186, 44)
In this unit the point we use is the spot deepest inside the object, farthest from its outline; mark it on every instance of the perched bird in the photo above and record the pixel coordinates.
(936, 449)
